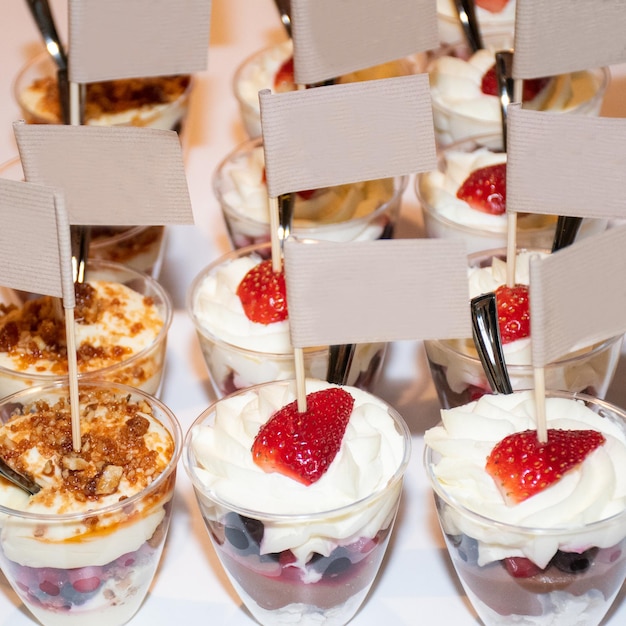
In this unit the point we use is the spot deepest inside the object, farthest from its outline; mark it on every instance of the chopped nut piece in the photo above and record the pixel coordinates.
(109, 480)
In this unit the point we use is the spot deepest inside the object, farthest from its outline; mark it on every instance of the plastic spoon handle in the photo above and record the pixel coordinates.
(339, 361)
(506, 86)
(469, 23)
(566, 231)
(284, 9)
(17, 479)
(488, 343)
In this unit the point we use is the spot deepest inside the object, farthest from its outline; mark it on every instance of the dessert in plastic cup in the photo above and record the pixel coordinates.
(496, 19)
(553, 555)
(267, 67)
(297, 552)
(85, 548)
(357, 211)
(456, 369)
(122, 318)
(240, 352)
(464, 104)
(156, 102)
(139, 247)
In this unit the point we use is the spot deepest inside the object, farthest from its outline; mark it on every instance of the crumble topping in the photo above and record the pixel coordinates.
(123, 448)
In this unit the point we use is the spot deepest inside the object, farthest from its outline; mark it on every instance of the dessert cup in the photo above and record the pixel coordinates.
(359, 211)
(127, 348)
(259, 70)
(139, 247)
(549, 562)
(160, 102)
(497, 29)
(461, 110)
(459, 377)
(80, 557)
(297, 553)
(447, 216)
(240, 353)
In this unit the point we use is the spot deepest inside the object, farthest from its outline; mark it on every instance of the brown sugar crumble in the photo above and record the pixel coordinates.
(114, 447)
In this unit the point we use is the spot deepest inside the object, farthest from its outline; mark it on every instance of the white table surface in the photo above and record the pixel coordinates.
(417, 583)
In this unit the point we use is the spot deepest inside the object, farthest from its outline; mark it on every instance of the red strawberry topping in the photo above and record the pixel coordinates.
(493, 6)
(263, 295)
(303, 445)
(513, 312)
(522, 466)
(520, 567)
(485, 189)
(531, 87)
(283, 81)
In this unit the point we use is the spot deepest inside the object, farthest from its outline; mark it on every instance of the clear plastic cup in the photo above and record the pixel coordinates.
(259, 70)
(92, 562)
(160, 102)
(459, 377)
(139, 247)
(461, 110)
(559, 573)
(446, 216)
(360, 211)
(239, 353)
(141, 368)
(289, 560)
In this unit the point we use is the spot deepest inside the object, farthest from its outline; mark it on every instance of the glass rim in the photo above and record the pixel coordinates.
(172, 425)
(218, 341)
(428, 465)
(190, 465)
(400, 183)
(168, 313)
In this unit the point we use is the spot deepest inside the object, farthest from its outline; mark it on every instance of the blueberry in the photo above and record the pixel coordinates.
(243, 533)
(573, 562)
(467, 547)
(333, 565)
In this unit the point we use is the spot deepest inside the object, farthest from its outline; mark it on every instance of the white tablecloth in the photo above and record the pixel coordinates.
(417, 583)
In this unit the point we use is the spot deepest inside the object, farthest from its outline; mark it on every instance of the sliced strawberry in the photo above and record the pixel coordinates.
(284, 81)
(303, 445)
(493, 6)
(263, 295)
(513, 312)
(522, 466)
(532, 86)
(520, 567)
(485, 189)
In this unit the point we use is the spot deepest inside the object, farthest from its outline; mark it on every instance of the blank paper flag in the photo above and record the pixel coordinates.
(332, 38)
(112, 39)
(565, 164)
(578, 296)
(385, 290)
(560, 36)
(34, 240)
(109, 175)
(347, 133)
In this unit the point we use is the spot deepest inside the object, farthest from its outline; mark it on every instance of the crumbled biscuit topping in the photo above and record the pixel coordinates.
(121, 450)
(115, 96)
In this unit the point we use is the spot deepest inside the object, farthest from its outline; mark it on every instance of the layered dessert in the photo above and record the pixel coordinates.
(85, 547)
(156, 102)
(456, 369)
(121, 324)
(466, 198)
(496, 20)
(300, 521)
(536, 530)
(353, 212)
(272, 68)
(465, 101)
(239, 309)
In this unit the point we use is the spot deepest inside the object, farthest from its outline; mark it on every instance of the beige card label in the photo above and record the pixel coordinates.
(112, 39)
(347, 133)
(119, 175)
(332, 38)
(560, 36)
(385, 290)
